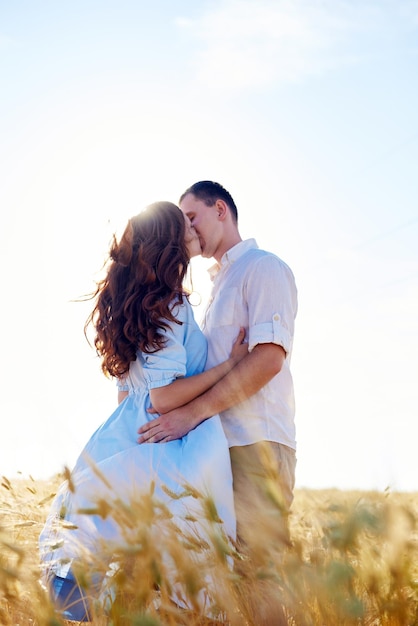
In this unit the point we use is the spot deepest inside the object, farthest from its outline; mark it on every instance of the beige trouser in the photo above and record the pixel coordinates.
(263, 479)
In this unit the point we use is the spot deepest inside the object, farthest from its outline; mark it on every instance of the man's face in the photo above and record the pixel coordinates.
(204, 219)
(191, 238)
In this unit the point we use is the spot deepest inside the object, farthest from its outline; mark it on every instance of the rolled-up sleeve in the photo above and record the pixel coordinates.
(273, 306)
(271, 332)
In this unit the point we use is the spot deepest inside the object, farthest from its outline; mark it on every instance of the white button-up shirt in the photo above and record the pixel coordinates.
(256, 290)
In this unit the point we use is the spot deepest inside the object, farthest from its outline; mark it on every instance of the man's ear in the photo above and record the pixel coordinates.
(221, 209)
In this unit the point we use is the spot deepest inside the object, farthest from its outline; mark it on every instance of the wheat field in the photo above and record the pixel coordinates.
(352, 560)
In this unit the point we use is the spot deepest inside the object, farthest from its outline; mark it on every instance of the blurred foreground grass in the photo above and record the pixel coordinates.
(353, 561)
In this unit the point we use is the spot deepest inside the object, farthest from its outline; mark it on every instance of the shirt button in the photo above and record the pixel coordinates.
(276, 317)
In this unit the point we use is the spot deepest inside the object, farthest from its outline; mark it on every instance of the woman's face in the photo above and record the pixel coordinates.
(191, 239)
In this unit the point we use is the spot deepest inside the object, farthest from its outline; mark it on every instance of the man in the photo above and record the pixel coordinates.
(256, 290)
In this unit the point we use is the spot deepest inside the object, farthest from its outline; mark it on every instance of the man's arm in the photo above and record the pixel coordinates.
(252, 373)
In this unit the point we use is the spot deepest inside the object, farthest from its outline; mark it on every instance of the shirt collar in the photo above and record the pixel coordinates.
(232, 255)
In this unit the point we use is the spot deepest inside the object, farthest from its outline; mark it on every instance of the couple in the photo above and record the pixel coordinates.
(211, 409)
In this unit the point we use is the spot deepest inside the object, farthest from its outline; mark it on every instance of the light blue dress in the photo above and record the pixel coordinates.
(114, 467)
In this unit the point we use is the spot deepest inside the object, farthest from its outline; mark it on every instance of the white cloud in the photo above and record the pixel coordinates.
(247, 43)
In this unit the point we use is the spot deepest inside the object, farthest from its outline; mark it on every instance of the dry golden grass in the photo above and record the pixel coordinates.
(353, 561)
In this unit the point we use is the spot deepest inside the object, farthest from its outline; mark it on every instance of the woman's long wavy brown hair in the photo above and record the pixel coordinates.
(144, 276)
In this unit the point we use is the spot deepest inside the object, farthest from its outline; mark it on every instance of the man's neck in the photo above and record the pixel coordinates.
(227, 245)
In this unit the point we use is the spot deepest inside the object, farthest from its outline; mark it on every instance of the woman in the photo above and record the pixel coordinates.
(148, 340)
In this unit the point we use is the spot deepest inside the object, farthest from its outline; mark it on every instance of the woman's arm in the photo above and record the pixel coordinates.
(183, 390)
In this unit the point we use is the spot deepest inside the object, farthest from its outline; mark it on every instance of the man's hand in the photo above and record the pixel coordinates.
(167, 427)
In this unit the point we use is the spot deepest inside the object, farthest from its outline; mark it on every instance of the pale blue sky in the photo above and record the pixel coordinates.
(306, 112)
